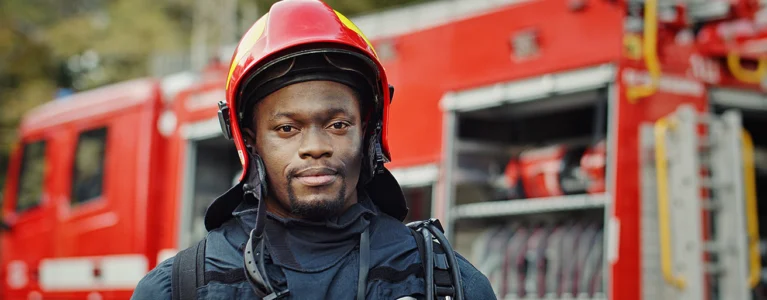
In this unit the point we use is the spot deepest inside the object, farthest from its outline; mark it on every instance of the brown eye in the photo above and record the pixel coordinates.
(285, 128)
(339, 125)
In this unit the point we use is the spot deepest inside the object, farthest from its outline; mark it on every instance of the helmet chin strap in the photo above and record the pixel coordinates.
(255, 188)
(374, 158)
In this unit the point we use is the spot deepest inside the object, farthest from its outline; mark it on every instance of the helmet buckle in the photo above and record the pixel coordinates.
(378, 155)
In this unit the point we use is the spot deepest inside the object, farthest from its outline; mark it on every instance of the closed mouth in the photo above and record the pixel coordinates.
(316, 176)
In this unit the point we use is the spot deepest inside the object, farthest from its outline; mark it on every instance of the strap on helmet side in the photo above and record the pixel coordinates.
(223, 120)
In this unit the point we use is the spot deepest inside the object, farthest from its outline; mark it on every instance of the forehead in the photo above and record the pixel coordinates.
(310, 97)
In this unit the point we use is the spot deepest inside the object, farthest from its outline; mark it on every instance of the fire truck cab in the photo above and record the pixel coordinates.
(82, 187)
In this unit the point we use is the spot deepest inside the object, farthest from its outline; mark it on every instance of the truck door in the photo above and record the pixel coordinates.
(97, 244)
(29, 212)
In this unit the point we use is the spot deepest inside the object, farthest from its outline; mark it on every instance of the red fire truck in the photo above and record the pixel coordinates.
(574, 149)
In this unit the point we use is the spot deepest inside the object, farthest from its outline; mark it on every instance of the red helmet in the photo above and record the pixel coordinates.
(290, 29)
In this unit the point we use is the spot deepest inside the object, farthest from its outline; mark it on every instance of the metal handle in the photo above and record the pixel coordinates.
(649, 52)
(752, 220)
(661, 127)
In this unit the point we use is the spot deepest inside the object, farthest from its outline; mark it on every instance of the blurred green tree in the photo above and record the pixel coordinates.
(76, 44)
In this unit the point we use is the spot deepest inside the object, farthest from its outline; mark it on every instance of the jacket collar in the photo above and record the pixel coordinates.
(307, 246)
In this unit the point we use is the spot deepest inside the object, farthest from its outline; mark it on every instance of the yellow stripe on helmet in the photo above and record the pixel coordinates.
(247, 42)
(349, 24)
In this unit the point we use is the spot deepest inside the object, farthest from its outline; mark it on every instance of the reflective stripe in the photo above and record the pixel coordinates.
(123, 271)
(165, 254)
(67, 274)
(92, 273)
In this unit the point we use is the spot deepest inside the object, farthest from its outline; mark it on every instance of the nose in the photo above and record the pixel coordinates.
(315, 143)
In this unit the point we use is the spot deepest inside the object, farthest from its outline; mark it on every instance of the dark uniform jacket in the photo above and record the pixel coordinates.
(315, 260)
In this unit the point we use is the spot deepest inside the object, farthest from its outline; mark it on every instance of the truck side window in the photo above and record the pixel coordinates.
(31, 176)
(88, 169)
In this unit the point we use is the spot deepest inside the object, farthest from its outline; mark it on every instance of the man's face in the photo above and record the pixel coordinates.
(309, 136)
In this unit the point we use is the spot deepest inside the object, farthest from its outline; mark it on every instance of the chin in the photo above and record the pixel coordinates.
(318, 205)
(314, 199)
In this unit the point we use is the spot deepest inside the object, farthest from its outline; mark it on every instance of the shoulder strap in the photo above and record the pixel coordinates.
(188, 272)
(419, 242)
(437, 266)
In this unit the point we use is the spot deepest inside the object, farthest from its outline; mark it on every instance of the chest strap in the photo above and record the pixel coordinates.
(364, 264)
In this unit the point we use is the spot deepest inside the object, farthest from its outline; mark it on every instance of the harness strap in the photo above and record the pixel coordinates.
(428, 264)
(440, 269)
(418, 243)
(455, 271)
(364, 264)
(443, 284)
(188, 272)
(200, 266)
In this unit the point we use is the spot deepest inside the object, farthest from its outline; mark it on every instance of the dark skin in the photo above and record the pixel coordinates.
(309, 136)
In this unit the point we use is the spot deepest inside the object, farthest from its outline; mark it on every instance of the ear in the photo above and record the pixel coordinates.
(250, 138)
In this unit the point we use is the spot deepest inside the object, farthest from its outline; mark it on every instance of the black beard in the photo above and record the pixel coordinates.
(320, 210)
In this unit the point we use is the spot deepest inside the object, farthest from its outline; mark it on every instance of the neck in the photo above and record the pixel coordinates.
(280, 209)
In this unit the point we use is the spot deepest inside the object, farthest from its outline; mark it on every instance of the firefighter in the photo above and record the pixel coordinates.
(315, 214)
